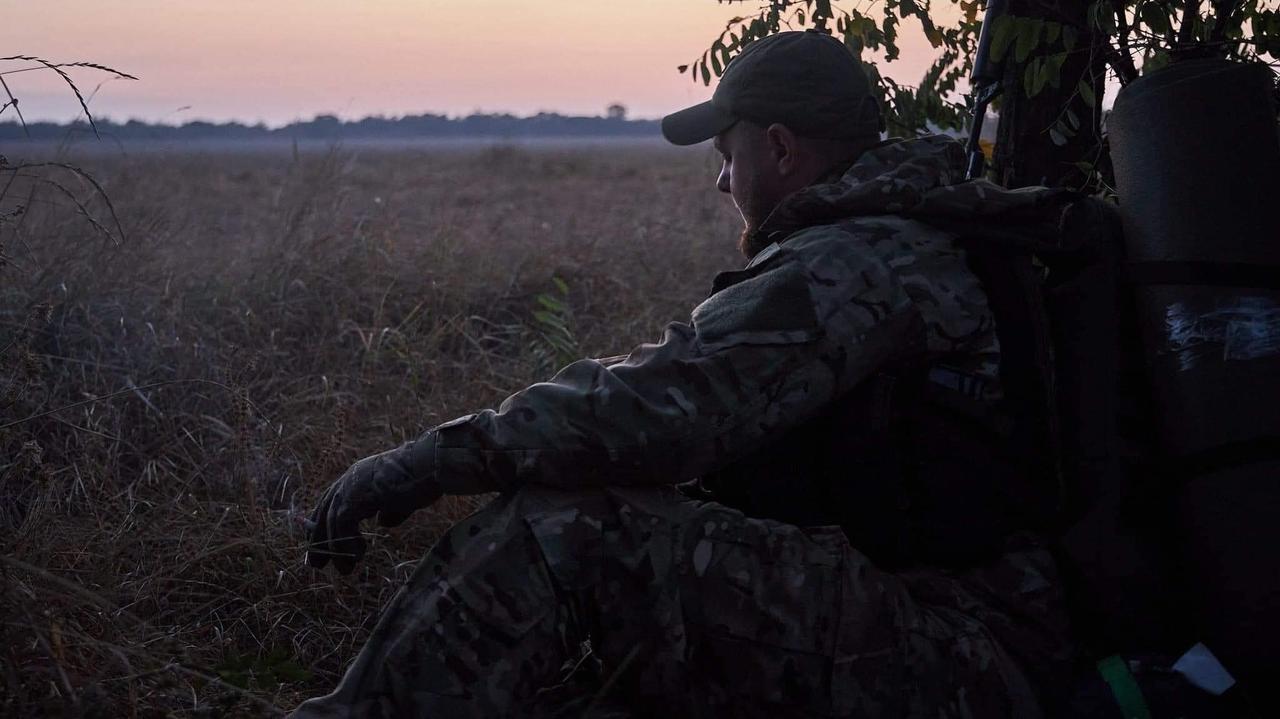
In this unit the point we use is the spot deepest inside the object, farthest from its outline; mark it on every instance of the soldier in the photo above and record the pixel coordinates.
(807, 572)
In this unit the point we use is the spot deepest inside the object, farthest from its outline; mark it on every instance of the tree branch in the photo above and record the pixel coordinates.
(1122, 58)
(1190, 14)
(1224, 12)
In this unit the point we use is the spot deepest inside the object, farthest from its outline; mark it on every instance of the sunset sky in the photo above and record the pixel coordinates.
(281, 60)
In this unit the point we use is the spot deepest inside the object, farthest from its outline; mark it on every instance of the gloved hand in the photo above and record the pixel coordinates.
(391, 485)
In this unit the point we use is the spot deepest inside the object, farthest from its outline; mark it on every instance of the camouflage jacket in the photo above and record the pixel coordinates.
(860, 274)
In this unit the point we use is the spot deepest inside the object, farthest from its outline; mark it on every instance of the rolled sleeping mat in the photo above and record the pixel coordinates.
(1197, 160)
(1196, 152)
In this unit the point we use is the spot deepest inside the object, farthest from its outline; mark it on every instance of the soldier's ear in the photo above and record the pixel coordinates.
(784, 148)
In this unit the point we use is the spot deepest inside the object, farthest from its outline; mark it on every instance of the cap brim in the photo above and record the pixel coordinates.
(696, 124)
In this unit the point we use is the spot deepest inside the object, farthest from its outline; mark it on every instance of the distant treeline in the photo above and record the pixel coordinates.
(329, 127)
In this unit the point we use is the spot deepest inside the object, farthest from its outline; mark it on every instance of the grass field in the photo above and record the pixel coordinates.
(168, 401)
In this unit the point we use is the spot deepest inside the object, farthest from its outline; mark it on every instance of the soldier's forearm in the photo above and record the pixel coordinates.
(761, 356)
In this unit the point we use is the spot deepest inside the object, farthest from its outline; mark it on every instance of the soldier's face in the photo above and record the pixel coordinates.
(750, 175)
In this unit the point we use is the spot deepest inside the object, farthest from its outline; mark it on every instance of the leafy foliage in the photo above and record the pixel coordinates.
(247, 671)
(1130, 36)
(1145, 35)
(553, 344)
(907, 108)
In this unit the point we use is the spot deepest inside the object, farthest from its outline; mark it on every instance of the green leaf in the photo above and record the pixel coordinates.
(854, 43)
(1029, 74)
(822, 10)
(1102, 16)
(889, 33)
(1155, 17)
(1073, 120)
(715, 64)
(1155, 61)
(873, 72)
(1051, 30)
(706, 74)
(1043, 76)
(1107, 19)
(867, 28)
(1053, 68)
(1087, 94)
(1029, 30)
(934, 35)
(681, 68)
(549, 319)
(1058, 138)
(1069, 37)
(551, 303)
(1002, 34)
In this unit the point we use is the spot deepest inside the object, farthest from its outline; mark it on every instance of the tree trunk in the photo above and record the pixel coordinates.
(1025, 153)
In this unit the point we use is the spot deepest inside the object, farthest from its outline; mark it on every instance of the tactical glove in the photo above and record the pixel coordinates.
(390, 485)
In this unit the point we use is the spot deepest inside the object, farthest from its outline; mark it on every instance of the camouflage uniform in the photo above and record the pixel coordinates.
(690, 607)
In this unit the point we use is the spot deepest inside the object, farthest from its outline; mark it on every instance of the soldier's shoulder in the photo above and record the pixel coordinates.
(888, 237)
(825, 239)
(879, 236)
(836, 260)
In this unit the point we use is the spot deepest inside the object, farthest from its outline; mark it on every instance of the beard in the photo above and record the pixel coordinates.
(749, 242)
(756, 201)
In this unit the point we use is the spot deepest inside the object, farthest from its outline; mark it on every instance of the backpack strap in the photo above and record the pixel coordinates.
(1015, 293)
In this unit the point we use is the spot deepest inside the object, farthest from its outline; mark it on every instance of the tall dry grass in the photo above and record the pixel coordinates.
(167, 404)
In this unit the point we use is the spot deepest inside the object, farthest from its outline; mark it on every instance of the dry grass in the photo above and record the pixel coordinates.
(269, 319)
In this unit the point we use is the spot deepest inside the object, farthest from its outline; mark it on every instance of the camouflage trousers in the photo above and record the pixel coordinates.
(551, 602)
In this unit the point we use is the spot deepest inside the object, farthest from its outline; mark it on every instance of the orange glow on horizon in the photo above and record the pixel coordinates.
(291, 59)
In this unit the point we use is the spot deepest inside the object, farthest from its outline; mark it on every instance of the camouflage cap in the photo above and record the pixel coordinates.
(808, 81)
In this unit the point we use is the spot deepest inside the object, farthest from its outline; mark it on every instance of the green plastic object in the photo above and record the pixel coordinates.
(1115, 672)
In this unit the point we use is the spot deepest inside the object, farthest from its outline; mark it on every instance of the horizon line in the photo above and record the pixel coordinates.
(108, 119)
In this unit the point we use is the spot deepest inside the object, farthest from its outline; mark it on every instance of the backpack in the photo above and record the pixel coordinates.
(1139, 542)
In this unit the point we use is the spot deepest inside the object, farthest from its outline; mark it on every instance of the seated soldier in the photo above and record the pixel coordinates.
(809, 572)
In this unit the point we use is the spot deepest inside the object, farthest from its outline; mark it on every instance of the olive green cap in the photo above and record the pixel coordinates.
(808, 81)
